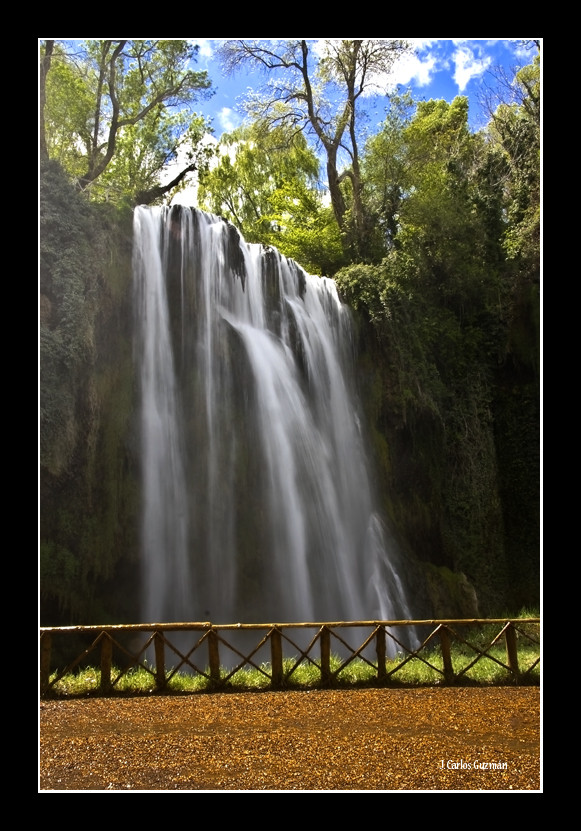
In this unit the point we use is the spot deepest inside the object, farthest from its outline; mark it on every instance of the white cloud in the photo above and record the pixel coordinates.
(228, 119)
(206, 49)
(468, 66)
(414, 68)
(417, 67)
(408, 68)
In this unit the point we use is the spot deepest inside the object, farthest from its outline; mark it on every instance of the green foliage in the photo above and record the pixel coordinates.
(67, 313)
(87, 486)
(360, 286)
(69, 110)
(256, 170)
(514, 138)
(440, 313)
(118, 112)
(515, 130)
(385, 170)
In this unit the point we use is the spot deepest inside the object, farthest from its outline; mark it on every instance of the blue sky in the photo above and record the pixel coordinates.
(441, 68)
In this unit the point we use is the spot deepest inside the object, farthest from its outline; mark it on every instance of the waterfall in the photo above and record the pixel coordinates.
(257, 498)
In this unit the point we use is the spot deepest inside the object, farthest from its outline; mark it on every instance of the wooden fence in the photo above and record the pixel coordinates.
(450, 648)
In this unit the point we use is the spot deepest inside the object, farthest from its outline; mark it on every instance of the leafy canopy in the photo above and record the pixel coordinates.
(115, 113)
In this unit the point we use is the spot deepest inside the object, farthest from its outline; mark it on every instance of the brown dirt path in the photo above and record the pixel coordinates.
(431, 739)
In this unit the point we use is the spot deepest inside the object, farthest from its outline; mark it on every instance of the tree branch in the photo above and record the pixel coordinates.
(146, 197)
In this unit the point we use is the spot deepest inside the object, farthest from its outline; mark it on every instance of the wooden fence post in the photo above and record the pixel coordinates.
(512, 651)
(276, 659)
(214, 657)
(380, 652)
(45, 650)
(106, 661)
(159, 646)
(446, 655)
(325, 655)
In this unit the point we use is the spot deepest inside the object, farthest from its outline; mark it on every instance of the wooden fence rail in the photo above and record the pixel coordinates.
(200, 648)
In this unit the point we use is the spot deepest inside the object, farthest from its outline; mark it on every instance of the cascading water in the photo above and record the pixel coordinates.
(257, 504)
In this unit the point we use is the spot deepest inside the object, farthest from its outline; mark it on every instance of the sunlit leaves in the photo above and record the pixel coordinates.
(266, 184)
(120, 110)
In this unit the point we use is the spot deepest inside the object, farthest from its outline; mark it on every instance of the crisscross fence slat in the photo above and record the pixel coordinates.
(448, 649)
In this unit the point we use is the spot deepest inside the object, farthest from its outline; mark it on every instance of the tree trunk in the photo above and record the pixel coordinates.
(333, 180)
(44, 68)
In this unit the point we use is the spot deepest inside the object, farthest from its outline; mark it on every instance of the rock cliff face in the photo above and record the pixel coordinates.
(88, 460)
(460, 475)
(468, 519)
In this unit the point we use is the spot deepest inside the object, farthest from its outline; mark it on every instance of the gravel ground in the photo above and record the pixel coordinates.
(429, 739)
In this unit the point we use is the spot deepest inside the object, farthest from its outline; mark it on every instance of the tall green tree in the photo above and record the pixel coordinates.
(515, 132)
(114, 113)
(386, 172)
(514, 137)
(437, 211)
(322, 93)
(439, 220)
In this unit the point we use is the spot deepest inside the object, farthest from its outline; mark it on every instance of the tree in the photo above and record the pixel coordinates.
(441, 222)
(266, 183)
(120, 110)
(252, 165)
(515, 128)
(322, 98)
(514, 143)
(386, 172)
